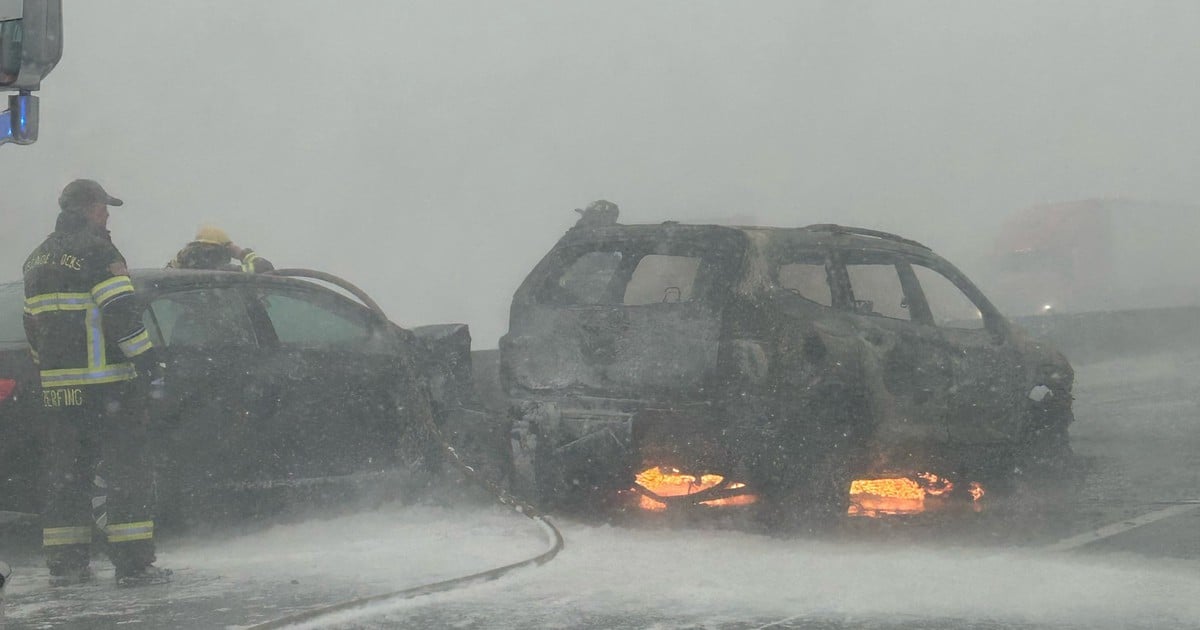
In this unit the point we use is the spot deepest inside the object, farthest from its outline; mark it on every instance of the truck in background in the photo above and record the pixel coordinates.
(1107, 254)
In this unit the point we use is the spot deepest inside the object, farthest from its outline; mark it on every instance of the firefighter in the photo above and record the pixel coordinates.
(599, 213)
(98, 371)
(213, 249)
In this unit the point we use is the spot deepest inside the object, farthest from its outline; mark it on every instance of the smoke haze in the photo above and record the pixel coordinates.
(432, 151)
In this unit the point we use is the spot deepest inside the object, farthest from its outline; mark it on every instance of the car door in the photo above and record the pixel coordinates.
(214, 409)
(985, 402)
(340, 380)
(905, 364)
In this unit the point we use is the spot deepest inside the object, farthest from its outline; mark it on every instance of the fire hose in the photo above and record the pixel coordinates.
(455, 460)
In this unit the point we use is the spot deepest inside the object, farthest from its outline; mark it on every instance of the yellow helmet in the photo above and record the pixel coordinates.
(213, 235)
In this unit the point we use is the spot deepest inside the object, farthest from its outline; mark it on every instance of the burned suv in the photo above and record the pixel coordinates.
(765, 365)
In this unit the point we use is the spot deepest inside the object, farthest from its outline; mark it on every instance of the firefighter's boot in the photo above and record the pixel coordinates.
(69, 564)
(142, 576)
(70, 576)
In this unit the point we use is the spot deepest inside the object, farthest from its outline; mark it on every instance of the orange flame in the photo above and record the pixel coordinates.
(898, 495)
(670, 482)
(935, 485)
(901, 495)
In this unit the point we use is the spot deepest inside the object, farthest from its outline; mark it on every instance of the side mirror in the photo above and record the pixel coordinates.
(30, 47)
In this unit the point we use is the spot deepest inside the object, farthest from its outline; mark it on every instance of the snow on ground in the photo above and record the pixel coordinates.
(392, 548)
(711, 577)
(690, 576)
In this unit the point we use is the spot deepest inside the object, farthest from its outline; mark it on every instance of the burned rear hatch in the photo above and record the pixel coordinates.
(624, 311)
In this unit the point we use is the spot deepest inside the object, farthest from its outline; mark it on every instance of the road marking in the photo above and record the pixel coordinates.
(1108, 531)
(776, 624)
(1086, 538)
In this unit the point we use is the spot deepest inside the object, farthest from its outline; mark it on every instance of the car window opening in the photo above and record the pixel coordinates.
(877, 291)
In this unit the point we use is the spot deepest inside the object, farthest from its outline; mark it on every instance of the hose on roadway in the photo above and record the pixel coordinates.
(453, 458)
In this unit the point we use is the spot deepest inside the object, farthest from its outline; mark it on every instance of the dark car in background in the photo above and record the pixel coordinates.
(705, 365)
(274, 385)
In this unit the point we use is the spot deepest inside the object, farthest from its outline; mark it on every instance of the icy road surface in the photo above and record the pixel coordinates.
(1138, 436)
(619, 577)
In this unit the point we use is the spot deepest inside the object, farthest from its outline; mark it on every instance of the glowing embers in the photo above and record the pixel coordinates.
(659, 486)
(902, 495)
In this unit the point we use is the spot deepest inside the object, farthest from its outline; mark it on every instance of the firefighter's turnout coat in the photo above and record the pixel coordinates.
(80, 319)
(85, 331)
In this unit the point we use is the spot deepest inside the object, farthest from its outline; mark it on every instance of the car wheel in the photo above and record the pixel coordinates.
(1047, 445)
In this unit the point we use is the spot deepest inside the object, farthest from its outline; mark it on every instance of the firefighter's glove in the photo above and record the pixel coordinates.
(156, 382)
(158, 388)
(154, 374)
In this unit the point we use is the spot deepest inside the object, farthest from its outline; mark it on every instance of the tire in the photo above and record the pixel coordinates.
(1046, 445)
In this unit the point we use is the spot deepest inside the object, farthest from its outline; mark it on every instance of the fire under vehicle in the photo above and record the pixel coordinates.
(701, 365)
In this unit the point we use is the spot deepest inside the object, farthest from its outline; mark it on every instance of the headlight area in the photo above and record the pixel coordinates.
(1052, 384)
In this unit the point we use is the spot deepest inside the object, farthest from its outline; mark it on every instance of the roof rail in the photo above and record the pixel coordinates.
(842, 229)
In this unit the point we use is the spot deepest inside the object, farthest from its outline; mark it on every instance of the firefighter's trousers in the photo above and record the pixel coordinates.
(97, 477)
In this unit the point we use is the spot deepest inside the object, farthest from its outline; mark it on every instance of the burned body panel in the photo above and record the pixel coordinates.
(666, 348)
(623, 313)
(790, 359)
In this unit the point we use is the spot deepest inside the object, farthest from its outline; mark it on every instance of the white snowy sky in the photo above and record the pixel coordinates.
(432, 151)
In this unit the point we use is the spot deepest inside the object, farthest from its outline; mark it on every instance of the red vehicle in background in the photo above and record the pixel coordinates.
(1053, 257)
(1096, 255)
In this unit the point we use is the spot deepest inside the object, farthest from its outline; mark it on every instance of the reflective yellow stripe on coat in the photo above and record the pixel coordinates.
(88, 376)
(47, 302)
(136, 343)
(108, 290)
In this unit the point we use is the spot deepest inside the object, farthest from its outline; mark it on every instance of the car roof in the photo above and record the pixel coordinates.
(153, 282)
(815, 235)
(160, 280)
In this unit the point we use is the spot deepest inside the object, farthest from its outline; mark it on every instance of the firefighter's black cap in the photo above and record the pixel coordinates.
(81, 193)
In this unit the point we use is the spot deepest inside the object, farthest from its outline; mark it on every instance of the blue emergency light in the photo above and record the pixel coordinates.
(30, 47)
(19, 123)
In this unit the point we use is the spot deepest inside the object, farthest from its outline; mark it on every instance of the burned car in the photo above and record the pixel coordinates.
(765, 365)
(277, 387)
